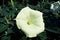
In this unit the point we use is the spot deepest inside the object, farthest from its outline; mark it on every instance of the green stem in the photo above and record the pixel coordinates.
(12, 3)
(6, 20)
(43, 1)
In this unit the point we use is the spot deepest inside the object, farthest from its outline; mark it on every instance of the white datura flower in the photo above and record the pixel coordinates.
(55, 5)
(30, 22)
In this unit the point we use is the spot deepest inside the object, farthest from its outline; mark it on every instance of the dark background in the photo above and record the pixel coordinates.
(9, 10)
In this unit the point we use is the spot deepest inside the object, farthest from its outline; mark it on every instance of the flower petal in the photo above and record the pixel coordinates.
(35, 19)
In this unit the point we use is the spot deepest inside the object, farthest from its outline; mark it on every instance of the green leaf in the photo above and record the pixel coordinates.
(3, 27)
(9, 30)
(6, 38)
(2, 20)
(43, 35)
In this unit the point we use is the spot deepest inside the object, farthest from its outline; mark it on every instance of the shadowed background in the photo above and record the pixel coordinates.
(9, 10)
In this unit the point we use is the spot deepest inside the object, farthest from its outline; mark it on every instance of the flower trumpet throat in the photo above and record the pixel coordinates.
(30, 22)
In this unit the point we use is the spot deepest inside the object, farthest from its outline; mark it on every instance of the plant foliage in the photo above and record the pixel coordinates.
(10, 8)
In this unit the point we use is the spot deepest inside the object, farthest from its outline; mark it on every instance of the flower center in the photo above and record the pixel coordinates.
(29, 22)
